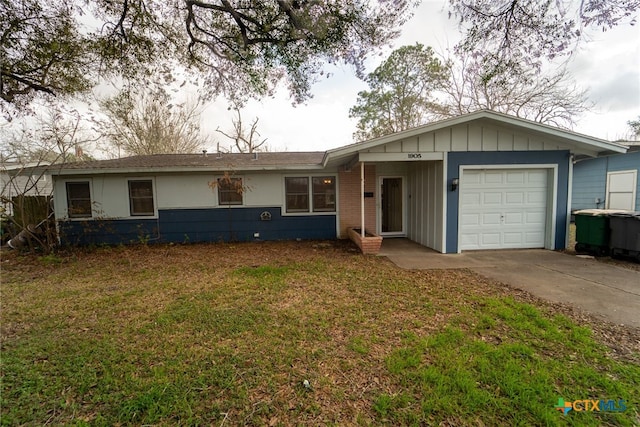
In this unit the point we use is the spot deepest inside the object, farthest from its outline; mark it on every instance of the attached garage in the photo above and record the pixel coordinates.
(484, 180)
(507, 200)
(504, 208)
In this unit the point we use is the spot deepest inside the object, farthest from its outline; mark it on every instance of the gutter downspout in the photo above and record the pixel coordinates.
(362, 198)
(569, 204)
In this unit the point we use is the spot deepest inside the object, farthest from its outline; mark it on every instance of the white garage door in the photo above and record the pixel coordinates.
(503, 208)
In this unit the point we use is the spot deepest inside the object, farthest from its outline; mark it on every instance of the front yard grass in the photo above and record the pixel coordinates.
(227, 334)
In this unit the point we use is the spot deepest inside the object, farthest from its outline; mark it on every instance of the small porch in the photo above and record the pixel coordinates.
(393, 200)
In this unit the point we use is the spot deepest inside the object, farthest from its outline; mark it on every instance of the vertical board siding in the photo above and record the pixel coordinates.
(426, 142)
(475, 137)
(505, 141)
(489, 139)
(200, 225)
(443, 140)
(425, 213)
(393, 147)
(459, 138)
(410, 146)
(590, 179)
(478, 136)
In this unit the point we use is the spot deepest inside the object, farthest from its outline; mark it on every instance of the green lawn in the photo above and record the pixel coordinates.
(227, 335)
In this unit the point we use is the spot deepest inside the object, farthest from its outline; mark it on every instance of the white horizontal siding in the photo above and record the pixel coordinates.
(110, 194)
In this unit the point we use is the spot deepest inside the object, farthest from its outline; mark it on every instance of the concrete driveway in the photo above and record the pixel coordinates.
(606, 290)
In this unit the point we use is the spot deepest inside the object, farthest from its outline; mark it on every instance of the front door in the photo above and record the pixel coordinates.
(391, 206)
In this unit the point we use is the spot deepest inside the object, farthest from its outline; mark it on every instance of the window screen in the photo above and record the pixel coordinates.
(230, 191)
(79, 199)
(141, 197)
(297, 194)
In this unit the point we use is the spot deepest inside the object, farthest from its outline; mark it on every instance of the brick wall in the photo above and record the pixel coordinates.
(349, 204)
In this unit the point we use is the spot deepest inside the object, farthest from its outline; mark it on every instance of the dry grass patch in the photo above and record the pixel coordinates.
(227, 334)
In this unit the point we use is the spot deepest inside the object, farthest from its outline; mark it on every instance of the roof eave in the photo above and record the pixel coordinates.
(599, 144)
(181, 169)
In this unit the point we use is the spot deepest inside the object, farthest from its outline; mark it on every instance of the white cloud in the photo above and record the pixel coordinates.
(608, 65)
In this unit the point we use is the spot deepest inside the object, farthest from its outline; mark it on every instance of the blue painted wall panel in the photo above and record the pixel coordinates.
(201, 225)
(589, 183)
(107, 231)
(240, 224)
(524, 158)
(590, 179)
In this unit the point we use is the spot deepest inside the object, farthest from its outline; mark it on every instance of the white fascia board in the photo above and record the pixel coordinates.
(400, 157)
(71, 172)
(21, 166)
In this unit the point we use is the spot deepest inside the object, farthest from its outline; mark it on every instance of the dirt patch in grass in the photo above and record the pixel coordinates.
(227, 334)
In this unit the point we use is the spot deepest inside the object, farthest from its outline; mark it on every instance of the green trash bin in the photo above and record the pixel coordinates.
(592, 231)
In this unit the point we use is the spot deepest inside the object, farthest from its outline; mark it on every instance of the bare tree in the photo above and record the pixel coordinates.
(246, 140)
(28, 157)
(527, 93)
(634, 129)
(147, 122)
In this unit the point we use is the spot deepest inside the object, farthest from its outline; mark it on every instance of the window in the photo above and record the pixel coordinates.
(230, 191)
(297, 190)
(320, 196)
(79, 199)
(324, 194)
(141, 197)
(621, 189)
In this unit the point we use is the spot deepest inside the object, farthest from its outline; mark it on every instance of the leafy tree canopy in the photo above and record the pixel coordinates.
(240, 48)
(412, 87)
(525, 32)
(401, 92)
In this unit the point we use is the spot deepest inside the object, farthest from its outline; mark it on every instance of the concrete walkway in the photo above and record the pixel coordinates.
(606, 290)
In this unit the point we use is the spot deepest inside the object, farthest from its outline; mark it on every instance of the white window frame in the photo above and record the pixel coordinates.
(217, 192)
(153, 195)
(66, 199)
(309, 177)
(633, 187)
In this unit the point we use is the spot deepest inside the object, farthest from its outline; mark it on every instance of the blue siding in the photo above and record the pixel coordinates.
(589, 183)
(107, 231)
(590, 179)
(240, 224)
(201, 225)
(456, 159)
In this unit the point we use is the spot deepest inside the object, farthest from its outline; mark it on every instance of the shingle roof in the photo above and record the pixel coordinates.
(214, 161)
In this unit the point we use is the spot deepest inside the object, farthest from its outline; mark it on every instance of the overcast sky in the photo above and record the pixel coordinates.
(608, 67)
